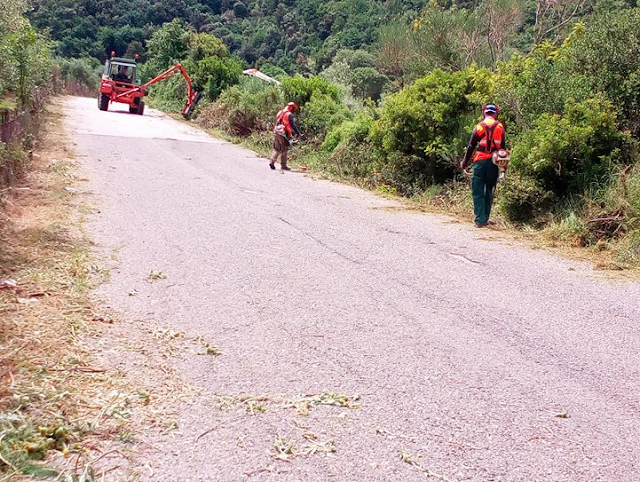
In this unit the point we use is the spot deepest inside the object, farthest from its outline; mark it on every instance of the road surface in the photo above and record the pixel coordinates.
(474, 358)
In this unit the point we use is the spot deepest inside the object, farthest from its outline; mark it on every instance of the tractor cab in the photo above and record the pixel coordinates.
(121, 70)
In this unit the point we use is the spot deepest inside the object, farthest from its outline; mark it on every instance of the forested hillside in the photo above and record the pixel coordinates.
(303, 36)
(285, 33)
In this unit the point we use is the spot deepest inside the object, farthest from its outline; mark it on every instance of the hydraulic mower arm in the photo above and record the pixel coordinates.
(192, 96)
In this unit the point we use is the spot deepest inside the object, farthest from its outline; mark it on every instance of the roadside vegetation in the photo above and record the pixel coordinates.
(570, 104)
(25, 67)
(48, 389)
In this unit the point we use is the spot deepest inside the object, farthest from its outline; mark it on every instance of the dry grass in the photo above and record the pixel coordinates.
(53, 398)
(71, 407)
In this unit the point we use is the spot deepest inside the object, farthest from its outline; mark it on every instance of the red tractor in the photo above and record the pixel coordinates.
(120, 84)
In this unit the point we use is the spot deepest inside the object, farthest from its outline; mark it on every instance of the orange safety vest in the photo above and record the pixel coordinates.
(283, 119)
(490, 132)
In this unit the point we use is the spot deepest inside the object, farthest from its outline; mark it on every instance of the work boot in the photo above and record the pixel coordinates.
(285, 168)
(272, 166)
(481, 225)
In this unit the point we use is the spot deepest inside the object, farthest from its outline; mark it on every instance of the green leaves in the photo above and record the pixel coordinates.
(214, 74)
(168, 45)
(567, 152)
(25, 56)
(204, 56)
(430, 121)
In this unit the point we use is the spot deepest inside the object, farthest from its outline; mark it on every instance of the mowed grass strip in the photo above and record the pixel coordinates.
(56, 407)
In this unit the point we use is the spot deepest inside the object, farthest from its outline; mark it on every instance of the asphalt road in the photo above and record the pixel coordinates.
(477, 357)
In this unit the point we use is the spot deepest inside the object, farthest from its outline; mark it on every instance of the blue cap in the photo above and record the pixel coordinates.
(490, 109)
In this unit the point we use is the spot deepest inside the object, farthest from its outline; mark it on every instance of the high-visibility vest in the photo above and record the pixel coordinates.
(490, 132)
(283, 119)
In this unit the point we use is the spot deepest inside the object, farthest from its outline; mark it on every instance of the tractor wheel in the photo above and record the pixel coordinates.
(103, 101)
(141, 108)
(133, 109)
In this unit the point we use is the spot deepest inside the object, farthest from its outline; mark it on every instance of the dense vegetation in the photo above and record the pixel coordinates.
(25, 66)
(24, 54)
(286, 33)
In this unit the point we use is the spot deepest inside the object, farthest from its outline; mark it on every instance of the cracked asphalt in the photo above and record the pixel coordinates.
(478, 358)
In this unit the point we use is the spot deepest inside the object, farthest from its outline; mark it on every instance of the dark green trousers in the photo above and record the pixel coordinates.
(483, 185)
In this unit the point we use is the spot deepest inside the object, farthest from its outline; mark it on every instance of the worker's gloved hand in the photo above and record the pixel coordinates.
(463, 165)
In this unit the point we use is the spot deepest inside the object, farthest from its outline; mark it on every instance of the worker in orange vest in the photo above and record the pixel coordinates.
(283, 135)
(488, 136)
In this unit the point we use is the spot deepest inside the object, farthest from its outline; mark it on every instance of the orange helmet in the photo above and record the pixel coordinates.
(293, 105)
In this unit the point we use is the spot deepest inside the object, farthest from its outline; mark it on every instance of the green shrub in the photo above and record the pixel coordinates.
(214, 74)
(241, 112)
(367, 83)
(273, 71)
(409, 174)
(522, 199)
(77, 76)
(171, 94)
(300, 90)
(321, 113)
(427, 125)
(353, 131)
(603, 54)
(204, 45)
(566, 153)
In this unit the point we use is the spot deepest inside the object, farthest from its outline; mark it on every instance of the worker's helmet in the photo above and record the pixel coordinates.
(490, 109)
(293, 106)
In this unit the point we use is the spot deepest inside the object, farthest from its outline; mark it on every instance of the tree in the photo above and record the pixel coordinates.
(213, 75)
(25, 55)
(240, 10)
(395, 51)
(435, 35)
(503, 18)
(553, 15)
(117, 40)
(202, 45)
(603, 55)
(167, 46)
(355, 58)
(367, 82)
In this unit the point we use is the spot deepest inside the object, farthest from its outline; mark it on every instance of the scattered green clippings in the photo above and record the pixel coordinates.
(302, 404)
(407, 458)
(285, 449)
(156, 275)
